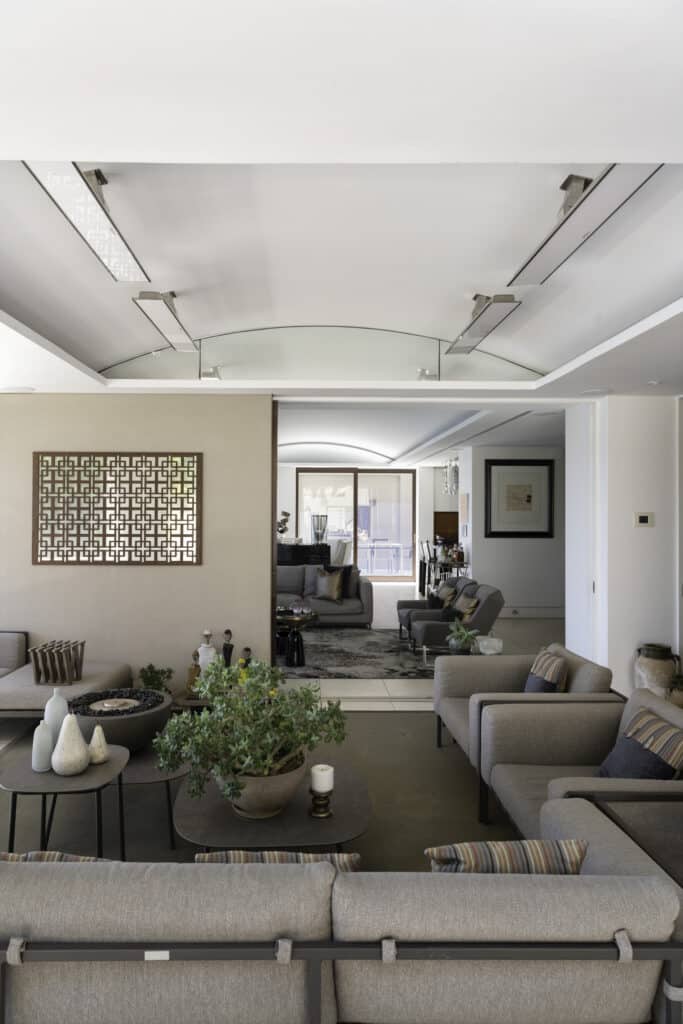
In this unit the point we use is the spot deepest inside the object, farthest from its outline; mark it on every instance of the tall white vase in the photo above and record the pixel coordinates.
(41, 753)
(56, 711)
(71, 755)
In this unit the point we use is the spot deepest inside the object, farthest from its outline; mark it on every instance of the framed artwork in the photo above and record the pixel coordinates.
(519, 497)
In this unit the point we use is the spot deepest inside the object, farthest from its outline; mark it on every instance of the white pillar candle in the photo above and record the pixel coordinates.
(322, 778)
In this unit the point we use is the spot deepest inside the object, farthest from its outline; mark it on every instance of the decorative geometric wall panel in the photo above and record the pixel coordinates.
(117, 508)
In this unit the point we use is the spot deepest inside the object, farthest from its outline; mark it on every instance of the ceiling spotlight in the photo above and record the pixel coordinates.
(80, 198)
(488, 313)
(159, 307)
(653, 383)
(586, 207)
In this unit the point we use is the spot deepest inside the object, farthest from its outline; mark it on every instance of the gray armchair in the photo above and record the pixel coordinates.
(426, 632)
(420, 608)
(533, 752)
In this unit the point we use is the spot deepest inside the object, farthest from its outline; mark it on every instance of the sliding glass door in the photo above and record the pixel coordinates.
(370, 518)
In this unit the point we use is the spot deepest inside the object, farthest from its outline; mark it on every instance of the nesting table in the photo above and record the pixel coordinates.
(19, 779)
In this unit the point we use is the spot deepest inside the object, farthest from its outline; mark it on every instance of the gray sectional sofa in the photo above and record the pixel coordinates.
(296, 585)
(184, 943)
(21, 697)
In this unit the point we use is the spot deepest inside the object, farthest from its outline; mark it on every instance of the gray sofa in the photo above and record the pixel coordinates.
(154, 921)
(534, 752)
(21, 697)
(296, 585)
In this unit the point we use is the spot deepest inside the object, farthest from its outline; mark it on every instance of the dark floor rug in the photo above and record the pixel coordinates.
(421, 797)
(357, 653)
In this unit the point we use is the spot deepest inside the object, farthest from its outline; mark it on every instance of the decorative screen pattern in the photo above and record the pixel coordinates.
(116, 508)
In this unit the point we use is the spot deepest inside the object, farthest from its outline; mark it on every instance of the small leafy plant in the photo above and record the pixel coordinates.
(254, 725)
(464, 638)
(153, 678)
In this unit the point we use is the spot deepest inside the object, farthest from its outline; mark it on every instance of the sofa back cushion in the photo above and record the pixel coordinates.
(164, 903)
(490, 604)
(648, 748)
(548, 674)
(290, 579)
(583, 676)
(13, 651)
(646, 699)
(460, 908)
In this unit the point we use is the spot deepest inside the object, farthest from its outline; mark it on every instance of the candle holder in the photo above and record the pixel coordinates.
(320, 807)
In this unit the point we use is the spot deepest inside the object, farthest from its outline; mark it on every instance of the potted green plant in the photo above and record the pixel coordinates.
(153, 678)
(460, 638)
(253, 737)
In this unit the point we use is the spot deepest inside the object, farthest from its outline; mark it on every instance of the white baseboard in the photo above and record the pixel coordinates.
(522, 612)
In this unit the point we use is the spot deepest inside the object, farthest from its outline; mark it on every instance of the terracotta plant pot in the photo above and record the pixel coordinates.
(264, 796)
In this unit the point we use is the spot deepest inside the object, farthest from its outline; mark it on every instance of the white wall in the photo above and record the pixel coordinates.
(465, 463)
(528, 570)
(637, 471)
(580, 523)
(424, 481)
(138, 614)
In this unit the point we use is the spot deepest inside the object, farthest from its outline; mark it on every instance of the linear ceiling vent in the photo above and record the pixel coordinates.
(79, 196)
(488, 313)
(159, 307)
(586, 207)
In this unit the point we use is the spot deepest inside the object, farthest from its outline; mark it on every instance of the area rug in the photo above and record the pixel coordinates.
(356, 653)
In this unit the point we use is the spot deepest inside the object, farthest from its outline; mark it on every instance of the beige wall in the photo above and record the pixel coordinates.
(139, 614)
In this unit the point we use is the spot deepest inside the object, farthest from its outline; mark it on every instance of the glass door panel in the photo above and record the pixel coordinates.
(386, 524)
(327, 494)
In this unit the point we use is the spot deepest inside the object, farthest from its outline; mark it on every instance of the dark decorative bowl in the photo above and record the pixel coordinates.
(130, 718)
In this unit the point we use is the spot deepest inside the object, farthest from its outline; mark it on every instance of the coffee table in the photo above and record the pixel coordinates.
(19, 779)
(211, 823)
(143, 770)
(655, 825)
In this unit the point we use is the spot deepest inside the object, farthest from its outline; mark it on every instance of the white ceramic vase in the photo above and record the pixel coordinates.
(97, 748)
(56, 711)
(207, 654)
(41, 754)
(71, 755)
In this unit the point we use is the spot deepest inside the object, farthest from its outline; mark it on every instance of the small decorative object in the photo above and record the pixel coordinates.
(450, 477)
(41, 754)
(319, 528)
(519, 497)
(193, 674)
(56, 711)
(97, 748)
(245, 657)
(58, 661)
(656, 666)
(676, 691)
(71, 755)
(132, 717)
(258, 769)
(228, 647)
(460, 638)
(322, 784)
(207, 652)
(153, 678)
(489, 644)
(283, 523)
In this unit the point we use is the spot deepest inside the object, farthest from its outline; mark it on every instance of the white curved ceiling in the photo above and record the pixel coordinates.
(395, 247)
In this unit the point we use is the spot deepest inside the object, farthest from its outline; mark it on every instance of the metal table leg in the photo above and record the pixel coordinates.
(50, 819)
(12, 822)
(169, 808)
(43, 817)
(98, 801)
(122, 821)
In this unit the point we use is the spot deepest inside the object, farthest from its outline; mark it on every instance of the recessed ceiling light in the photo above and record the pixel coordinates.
(78, 195)
(16, 389)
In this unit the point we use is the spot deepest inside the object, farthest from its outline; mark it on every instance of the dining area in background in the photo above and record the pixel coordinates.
(439, 561)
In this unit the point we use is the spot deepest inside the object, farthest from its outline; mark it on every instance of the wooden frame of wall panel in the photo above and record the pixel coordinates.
(355, 473)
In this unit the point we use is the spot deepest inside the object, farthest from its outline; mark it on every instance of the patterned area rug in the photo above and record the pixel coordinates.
(356, 653)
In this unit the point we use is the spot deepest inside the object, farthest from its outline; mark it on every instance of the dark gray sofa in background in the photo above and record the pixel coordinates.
(296, 586)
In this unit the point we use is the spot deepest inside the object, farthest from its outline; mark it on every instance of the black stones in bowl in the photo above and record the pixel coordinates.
(130, 718)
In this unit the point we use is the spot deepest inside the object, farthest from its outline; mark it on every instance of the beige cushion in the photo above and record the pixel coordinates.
(329, 585)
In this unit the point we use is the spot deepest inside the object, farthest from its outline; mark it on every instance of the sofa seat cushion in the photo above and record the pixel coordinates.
(348, 606)
(19, 692)
(286, 600)
(455, 715)
(523, 789)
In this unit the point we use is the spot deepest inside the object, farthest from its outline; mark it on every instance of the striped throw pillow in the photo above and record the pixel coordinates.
(649, 748)
(47, 857)
(341, 861)
(548, 674)
(522, 857)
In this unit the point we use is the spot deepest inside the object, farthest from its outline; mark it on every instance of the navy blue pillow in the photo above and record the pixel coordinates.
(548, 674)
(629, 759)
(537, 684)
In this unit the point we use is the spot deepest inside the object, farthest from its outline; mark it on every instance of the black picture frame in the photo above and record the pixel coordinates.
(489, 466)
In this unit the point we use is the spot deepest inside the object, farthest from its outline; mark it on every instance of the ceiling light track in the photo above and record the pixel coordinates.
(79, 197)
(489, 313)
(159, 308)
